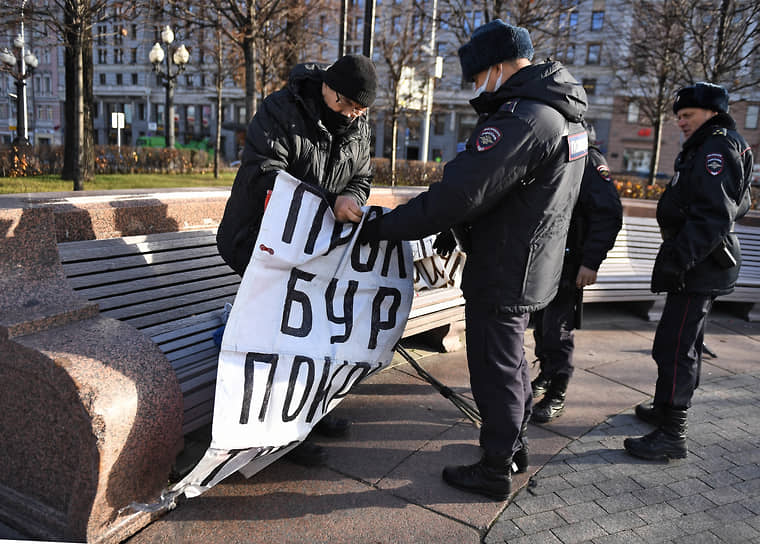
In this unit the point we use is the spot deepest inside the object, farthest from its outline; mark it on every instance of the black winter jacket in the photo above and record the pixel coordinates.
(697, 211)
(287, 134)
(596, 221)
(512, 190)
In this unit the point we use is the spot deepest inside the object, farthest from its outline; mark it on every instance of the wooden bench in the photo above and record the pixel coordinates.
(626, 273)
(173, 288)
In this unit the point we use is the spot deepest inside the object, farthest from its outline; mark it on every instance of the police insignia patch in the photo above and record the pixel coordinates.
(719, 131)
(488, 138)
(604, 171)
(714, 163)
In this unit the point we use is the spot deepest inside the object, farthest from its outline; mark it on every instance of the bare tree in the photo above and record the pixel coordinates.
(722, 42)
(403, 32)
(649, 62)
(72, 21)
(542, 18)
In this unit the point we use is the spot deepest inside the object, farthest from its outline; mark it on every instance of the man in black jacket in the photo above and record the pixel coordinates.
(698, 260)
(509, 196)
(597, 218)
(316, 130)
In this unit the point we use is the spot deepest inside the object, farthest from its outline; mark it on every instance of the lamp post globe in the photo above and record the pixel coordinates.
(179, 58)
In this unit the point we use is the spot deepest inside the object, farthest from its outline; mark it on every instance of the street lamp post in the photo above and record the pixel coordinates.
(179, 58)
(16, 65)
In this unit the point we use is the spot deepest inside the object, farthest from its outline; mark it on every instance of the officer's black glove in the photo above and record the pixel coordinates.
(445, 243)
(668, 275)
(370, 231)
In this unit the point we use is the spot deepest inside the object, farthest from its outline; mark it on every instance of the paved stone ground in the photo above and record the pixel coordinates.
(382, 483)
(593, 491)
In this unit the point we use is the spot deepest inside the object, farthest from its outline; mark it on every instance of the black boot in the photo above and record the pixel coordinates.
(520, 458)
(307, 454)
(649, 412)
(668, 441)
(540, 384)
(332, 426)
(553, 403)
(491, 476)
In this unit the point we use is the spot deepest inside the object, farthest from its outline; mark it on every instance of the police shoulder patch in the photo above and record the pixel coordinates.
(714, 163)
(487, 138)
(510, 105)
(604, 172)
(719, 131)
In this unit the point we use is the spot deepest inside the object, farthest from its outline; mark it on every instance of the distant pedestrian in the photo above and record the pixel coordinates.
(698, 260)
(597, 218)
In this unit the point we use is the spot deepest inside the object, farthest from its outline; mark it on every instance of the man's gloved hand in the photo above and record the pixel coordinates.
(667, 276)
(370, 231)
(445, 243)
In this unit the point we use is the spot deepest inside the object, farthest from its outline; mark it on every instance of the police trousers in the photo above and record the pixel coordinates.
(677, 348)
(553, 334)
(499, 375)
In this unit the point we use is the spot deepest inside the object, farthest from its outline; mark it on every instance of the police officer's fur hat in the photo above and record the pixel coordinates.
(703, 95)
(491, 44)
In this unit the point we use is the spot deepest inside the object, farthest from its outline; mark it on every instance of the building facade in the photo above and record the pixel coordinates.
(586, 38)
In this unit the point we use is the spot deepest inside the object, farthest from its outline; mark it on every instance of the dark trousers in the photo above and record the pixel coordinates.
(677, 348)
(553, 334)
(498, 375)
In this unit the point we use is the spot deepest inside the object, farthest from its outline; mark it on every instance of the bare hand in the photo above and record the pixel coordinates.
(585, 276)
(347, 210)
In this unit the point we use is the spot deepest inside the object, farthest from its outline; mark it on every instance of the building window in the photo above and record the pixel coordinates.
(119, 79)
(118, 56)
(750, 121)
(589, 85)
(597, 20)
(133, 56)
(141, 111)
(568, 21)
(439, 123)
(570, 54)
(102, 79)
(633, 112)
(102, 56)
(594, 53)
(134, 79)
(189, 80)
(134, 32)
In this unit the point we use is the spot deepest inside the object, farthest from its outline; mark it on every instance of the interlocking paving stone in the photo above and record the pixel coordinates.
(503, 531)
(692, 504)
(737, 531)
(657, 512)
(539, 522)
(731, 512)
(580, 494)
(614, 523)
(541, 503)
(660, 532)
(623, 537)
(689, 486)
(618, 503)
(617, 486)
(581, 531)
(580, 512)
(544, 537)
(724, 495)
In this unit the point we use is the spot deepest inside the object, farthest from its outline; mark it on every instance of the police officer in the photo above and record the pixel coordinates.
(597, 218)
(506, 195)
(698, 260)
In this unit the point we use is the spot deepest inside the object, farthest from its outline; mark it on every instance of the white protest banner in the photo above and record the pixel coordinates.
(315, 314)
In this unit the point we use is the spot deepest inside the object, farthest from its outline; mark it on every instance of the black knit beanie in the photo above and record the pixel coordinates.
(707, 96)
(491, 44)
(354, 77)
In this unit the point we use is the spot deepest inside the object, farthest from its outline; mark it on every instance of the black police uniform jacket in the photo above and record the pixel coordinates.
(596, 221)
(511, 191)
(287, 134)
(697, 211)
